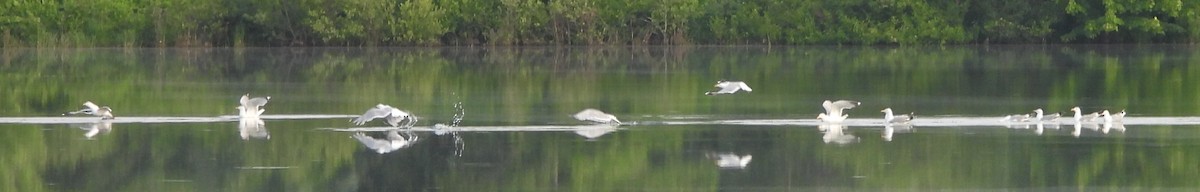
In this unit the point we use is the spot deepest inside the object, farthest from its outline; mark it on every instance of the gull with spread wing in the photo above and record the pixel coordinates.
(95, 110)
(252, 107)
(834, 110)
(392, 115)
(729, 87)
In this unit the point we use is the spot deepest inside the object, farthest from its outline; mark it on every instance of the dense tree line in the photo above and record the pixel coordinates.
(591, 22)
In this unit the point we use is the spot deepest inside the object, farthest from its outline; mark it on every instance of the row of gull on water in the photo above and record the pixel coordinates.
(250, 109)
(834, 111)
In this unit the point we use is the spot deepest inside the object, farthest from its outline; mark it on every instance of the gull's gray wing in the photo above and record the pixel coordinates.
(84, 111)
(743, 86)
(372, 114)
(91, 106)
(901, 118)
(728, 89)
(259, 101)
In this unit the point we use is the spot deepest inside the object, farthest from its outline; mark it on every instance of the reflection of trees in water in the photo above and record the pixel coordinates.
(519, 86)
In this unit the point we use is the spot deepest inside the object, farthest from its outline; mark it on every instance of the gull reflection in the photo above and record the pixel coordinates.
(1079, 126)
(890, 129)
(393, 142)
(730, 160)
(1118, 126)
(836, 133)
(595, 131)
(1017, 125)
(252, 127)
(93, 129)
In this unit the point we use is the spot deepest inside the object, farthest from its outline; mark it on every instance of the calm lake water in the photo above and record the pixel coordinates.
(174, 131)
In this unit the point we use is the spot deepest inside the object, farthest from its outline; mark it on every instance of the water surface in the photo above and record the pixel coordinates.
(174, 130)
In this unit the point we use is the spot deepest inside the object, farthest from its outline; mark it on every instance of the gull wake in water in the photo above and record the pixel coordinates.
(392, 115)
(393, 142)
(596, 116)
(252, 107)
(729, 87)
(834, 110)
(889, 118)
(94, 110)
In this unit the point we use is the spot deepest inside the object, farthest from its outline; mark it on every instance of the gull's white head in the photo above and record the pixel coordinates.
(886, 110)
(822, 116)
(1038, 110)
(1076, 109)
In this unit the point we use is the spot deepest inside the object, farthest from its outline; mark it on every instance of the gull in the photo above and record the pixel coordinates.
(730, 160)
(1108, 117)
(1119, 116)
(889, 118)
(252, 127)
(833, 110)
(251, 107)
(393, 142)
(1047, 117)
(1079, 117)
(392, 115)
(92, 109)
(596, 116)
(729, 87)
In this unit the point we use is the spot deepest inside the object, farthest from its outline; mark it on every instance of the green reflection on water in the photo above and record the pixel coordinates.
(522, 86)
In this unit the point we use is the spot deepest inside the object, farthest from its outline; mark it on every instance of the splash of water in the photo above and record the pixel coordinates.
(458, 115)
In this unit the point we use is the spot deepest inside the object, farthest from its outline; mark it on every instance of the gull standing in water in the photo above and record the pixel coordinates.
(596, 116)
(730, 160)
(95, 110)
(252, 107)
(833, 110)
(1047, 117)
(393, 142)
(1018, 118)
(1109, 118)
(1119, 116)
(889, 118)
(392, 115)
(729, 87)
(1079, 117)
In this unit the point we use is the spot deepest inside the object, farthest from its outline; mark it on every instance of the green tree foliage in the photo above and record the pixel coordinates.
(590, 22)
